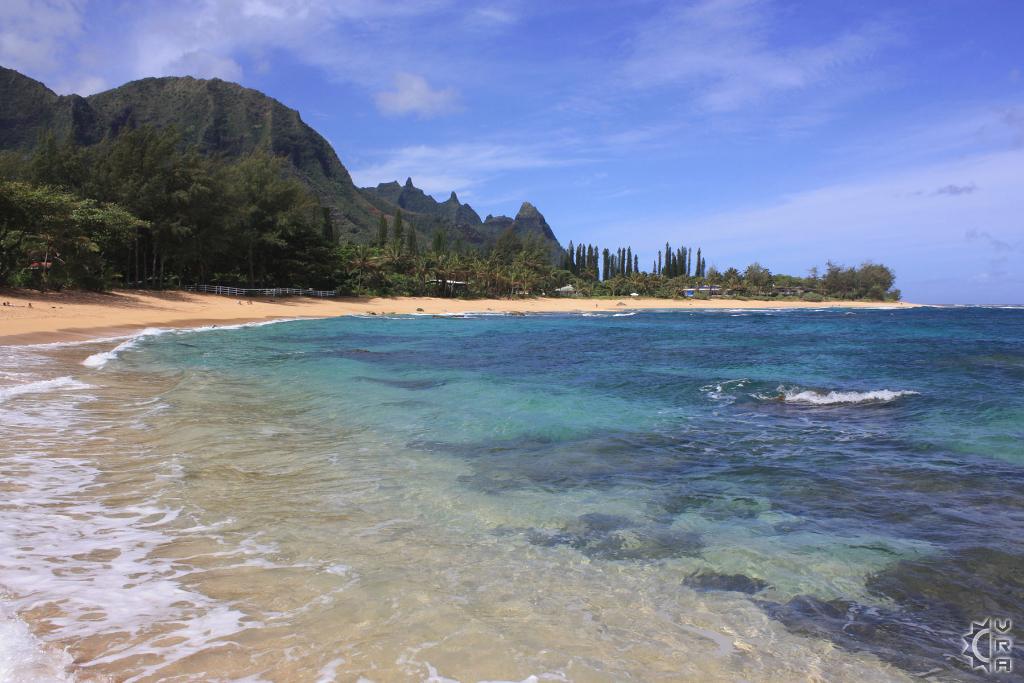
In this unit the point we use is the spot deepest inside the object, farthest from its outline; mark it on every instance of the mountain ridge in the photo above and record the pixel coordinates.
(223, 118)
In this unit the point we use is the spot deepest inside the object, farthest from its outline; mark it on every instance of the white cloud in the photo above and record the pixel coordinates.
(33, 33)
(412, 94)
(204, 64)
(87, 85)
(731, 55)
(355, 41)
(491, 16)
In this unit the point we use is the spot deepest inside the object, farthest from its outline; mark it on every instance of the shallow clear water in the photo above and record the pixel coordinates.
(714, 495)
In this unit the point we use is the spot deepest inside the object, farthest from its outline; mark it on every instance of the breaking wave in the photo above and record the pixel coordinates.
(98, 360)
(828, 398)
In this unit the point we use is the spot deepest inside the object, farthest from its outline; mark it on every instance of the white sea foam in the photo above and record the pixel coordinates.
(721, 391)
(128, 591)
(73, 342)
(24, 658)
(98, 360)
(41, 386)
(827, 398)
(433, 676)
(328, 673)
(108, 578)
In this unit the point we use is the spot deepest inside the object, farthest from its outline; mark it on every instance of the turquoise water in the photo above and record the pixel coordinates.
(596, 497)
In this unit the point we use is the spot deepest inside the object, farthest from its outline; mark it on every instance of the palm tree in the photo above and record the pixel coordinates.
(365, 265)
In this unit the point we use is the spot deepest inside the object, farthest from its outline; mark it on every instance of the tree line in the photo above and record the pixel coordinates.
(141, 210)
(193, 218)
(591, 261)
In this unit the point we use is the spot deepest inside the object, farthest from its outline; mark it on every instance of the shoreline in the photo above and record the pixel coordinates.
(88, 316)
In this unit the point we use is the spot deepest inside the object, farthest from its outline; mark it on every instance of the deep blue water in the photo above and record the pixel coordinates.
(859, 474)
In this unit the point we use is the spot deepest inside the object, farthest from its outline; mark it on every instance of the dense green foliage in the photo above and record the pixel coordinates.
(230, 122)
(143, 210)
(164, 215)
(50, 237)
(193, 218)
(683, 272)
(216, 118)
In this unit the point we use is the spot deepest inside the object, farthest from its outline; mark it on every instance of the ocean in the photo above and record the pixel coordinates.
(734, 495)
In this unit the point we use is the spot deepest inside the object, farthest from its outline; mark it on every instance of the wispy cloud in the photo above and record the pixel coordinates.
(204, 64)
(33, 32)
(491, 15)
(730, 53)
(412, 94)
(986, 238)
(215, 33)
(883, 219)
(443, 168)
(362, 42)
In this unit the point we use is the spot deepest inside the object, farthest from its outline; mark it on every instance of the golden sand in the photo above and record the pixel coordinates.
(31, 317)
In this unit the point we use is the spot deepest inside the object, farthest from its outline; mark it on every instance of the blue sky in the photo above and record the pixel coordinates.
(786, 132)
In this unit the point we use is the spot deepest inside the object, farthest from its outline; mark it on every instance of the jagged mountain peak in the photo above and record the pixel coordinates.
(530, 220)
(230, 120)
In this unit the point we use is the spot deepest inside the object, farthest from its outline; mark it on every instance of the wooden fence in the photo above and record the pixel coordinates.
(275, 291)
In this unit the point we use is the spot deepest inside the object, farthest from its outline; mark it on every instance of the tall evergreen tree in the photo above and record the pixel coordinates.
(629, 260)
(697, 273)
(399, 230)
(605, 257)
(636, 263)
(571, 258)
(382, 231)
(439, 242)
(411, 246)
(657, 267)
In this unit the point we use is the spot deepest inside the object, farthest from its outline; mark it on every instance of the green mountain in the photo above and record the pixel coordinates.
(460, 219)
(229, 120)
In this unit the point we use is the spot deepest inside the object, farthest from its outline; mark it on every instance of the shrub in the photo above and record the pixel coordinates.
(812, 296)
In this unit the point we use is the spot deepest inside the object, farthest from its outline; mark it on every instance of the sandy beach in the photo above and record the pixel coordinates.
(32, 317)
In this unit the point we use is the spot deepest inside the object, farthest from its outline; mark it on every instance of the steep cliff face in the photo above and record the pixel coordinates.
(530, 221)
(408, 197)
(28, 109)
(228, 120)
(428, 214)
(220, 118)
